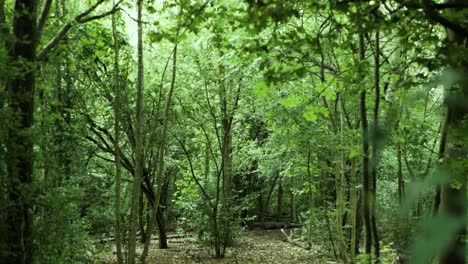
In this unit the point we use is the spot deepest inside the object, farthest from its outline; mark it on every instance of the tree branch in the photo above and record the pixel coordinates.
(416, 5)
(42, 19)
(430, 8)
(79, 19)
(192, 173)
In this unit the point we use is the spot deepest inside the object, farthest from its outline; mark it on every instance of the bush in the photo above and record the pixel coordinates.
(60, 234)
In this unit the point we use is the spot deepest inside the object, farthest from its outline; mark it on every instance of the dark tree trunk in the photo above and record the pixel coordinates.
(375, 149)
(261, 207)
(359, 222)
(141, 222)
(401, 186)
(161, 229)
(279, 211)
(453, 193)
(18, 238)
(161, 216)
(365, 160)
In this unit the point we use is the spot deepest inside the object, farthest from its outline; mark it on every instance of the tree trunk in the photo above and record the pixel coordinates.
(312, 204)
(160, 179)
(20, 157)
(118, 167)
(279, 208)
(141, 221)
(138, 144)
(365, 157)
(453, 193)
(359, 223)
(375, 150)
(293, 201)
(401, 186)
(340, 196)
(261, 207)
(227, 154)
(354, 213)
(161, 229)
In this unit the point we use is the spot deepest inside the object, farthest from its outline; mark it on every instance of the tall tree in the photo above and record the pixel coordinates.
(365, 154)
(138, 142)
(375, 150)
(117, 116)
(20, 158)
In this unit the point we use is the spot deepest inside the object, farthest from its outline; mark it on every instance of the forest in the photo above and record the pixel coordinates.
(233, 131)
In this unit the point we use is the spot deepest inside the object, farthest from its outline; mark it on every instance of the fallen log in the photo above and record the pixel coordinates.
(111, 239)
(274, 225)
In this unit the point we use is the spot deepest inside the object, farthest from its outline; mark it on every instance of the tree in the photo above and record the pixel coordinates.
(138, 142)
(117, 213)
(453, 192)
(17, 243)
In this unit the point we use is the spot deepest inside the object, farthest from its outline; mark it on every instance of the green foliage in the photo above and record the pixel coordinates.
(431, 242)
(61, 234)
(278, 84)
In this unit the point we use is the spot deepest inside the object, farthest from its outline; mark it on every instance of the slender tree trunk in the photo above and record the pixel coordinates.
(160, 179)
(132, 239)
(401, 187)
(265, 205)
(141, 217)
(312, 204)
(375, 142)
(354, 207)
(118, 164)
(261, 206)
(359, 223)
(340, 196)
(441, 154)
(365, 157)
(207, 162)
(293, 201)
(161, 229)
(279, 208)
(20, 157)
(226, 152)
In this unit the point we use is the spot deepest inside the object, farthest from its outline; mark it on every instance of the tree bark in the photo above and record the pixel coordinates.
(138, 143)
(401, 186)
(375, 150)
(141, 217)
(118, 165)
(20, 157)
(365, 157)
(340, 194)
(354, 210)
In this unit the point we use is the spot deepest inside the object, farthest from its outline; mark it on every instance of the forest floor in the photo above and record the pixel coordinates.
(253, 247)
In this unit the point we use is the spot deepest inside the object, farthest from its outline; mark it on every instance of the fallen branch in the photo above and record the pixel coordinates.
(291, 241)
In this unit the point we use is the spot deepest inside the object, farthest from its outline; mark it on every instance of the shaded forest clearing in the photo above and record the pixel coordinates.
(253, 247)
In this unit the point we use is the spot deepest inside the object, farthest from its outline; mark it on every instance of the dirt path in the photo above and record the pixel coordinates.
(254, 247)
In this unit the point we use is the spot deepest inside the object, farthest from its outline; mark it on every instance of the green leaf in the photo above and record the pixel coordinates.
(310, 115)
(356, 151)
(291, 102)
(261, 89)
